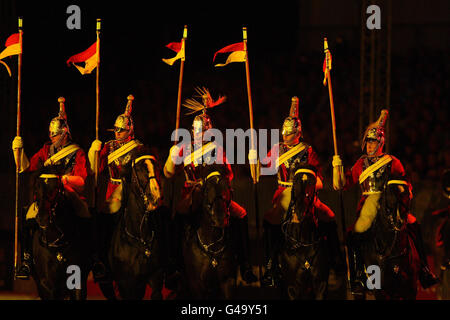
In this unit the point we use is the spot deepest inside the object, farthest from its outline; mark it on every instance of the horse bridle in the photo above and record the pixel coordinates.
(393, 227)
(141, 189)
(146, 244)
(205, 247)
(295, 244)
(52, 215)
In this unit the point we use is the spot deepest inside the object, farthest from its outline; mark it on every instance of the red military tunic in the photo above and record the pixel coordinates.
(285, 170)
(75, 165)
(115, 168)
(395, 168)
(194, 171)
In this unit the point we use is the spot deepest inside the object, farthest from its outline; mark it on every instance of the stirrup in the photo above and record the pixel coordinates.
(247, 274)
(24, 271)
(427, 278)
(268, 279)
(99, 271)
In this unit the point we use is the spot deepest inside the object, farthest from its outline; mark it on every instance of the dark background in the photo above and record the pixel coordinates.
(285, 43)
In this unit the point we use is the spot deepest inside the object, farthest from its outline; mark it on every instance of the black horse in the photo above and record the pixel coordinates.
(136, 254)
(59, 246)
(443, 249)
(210, 265)
(304, 255)
(388, 245)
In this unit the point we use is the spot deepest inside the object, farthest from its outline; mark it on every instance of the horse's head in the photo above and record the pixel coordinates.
(145, 182)
(49, 193)
(216, 200)
(303, 190)
(395, 203)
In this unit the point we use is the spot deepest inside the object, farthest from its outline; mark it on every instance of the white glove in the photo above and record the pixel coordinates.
(172, 160)
(19, 154)
(174, 151)
(252, 156)
(337, 162)
(96, 145)
(338, 173)
(17, 143)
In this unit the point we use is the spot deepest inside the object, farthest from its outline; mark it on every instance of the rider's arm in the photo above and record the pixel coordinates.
(313, 160)
(74, 181)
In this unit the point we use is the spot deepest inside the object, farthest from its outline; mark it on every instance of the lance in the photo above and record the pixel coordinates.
(97, 102)
(327, 80)
(177, 123)
(19, 153)
(254, 162)
(180, 83)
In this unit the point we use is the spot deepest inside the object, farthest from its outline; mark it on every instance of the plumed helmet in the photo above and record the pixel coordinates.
(58, 125)
(202, 122)
(124, 122)
(292, 124)
(375, 131)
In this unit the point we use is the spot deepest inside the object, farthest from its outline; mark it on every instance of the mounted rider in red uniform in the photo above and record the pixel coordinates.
(114, 160)
(291, 152)
(193, 159)
(370, 172)
(70, 161)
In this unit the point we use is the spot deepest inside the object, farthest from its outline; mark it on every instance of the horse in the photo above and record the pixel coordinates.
(443, 250)
(389, 246)
(303, 257)
(210, 265)
(61, 262)
(137, 253)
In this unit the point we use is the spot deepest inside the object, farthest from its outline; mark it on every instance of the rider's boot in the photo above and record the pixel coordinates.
(356, 265)
(272, 238)
(426, 276)
(24, 270)
(88, 232)
(244, 250)
(175, 262)
(336, 257)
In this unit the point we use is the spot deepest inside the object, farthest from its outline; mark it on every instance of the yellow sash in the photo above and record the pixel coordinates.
(61, 154)
(287, 155)
(377, 165)
(197, 154)
(122, 150)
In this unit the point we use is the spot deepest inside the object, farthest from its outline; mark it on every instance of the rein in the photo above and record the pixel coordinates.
(206, 247)
(52, 215)
(392, 226)
(296, 244)
(143, 196)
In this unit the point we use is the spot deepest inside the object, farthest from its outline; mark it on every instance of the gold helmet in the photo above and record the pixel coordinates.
(292, 124)
(375, 131)
(124, 122)
(202, 122)
(58, 125)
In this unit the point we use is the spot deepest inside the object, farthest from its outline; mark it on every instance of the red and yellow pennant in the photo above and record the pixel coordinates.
(326, 61)
(89, 57)
(178, 47)
(238, 53)
(13, 47)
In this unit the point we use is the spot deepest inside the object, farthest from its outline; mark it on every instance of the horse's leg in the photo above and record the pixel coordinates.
(227, 288)
(156, 283)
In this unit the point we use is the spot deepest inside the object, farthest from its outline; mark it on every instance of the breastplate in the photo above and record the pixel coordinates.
(374, 183)
(286, 171)
(115, 167)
